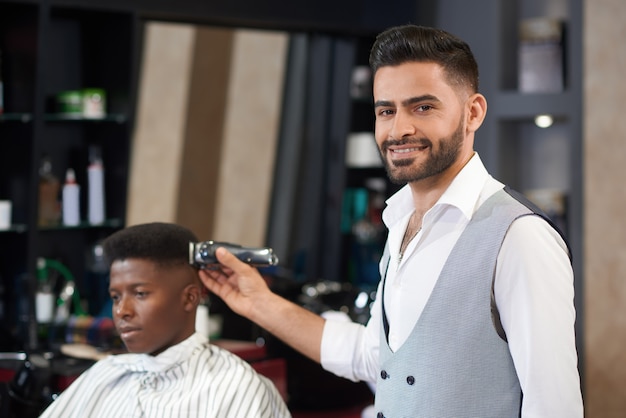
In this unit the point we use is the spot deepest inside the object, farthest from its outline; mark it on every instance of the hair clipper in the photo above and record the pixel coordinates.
(202, 254)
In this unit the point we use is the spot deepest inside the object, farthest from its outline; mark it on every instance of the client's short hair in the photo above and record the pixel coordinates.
(165, 244)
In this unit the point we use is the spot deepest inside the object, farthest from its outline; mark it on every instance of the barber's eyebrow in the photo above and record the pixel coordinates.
(407, 102)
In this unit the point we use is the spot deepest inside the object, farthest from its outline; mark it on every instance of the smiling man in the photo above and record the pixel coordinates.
(171, 371)
(474, 314)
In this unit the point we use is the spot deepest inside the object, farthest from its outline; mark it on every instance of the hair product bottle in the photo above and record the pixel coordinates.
(95, 175)
(71, 199)
(49, 188)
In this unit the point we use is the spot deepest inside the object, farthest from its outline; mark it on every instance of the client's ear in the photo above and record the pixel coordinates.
(192, 296)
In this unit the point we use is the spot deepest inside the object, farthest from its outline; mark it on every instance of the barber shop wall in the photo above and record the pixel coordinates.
(605, 199)
(207, 122)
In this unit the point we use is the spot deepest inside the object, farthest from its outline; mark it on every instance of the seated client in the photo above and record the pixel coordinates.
(170, 370)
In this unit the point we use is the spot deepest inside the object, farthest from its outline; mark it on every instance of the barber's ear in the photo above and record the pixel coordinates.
(477, 110)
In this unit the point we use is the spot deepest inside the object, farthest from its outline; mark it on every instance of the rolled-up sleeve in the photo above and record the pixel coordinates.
(350, 350)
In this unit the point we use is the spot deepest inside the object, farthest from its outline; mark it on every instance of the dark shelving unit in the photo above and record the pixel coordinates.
(49, 47)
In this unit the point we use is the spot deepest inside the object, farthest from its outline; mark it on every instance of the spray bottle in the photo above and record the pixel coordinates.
(71, 199)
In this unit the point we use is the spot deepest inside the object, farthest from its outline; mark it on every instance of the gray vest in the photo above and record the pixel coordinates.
(454, 364)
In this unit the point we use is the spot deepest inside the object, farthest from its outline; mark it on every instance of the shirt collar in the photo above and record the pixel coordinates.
(463, 193)
(164, 361)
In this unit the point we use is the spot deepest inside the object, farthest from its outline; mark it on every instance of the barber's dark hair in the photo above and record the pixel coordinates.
(165, 244)
(411, 43)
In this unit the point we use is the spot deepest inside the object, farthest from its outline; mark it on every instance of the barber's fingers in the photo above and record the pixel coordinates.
(230, 261)
(212, 279)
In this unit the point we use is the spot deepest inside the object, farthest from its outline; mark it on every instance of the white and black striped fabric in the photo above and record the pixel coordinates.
(193, 379)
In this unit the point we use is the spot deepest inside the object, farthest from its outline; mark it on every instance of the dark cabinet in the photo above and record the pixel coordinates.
(48, 49)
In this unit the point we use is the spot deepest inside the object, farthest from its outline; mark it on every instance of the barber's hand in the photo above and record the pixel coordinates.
(246, 293)
(238, 284)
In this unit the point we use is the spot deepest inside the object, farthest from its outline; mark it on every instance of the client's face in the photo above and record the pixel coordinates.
(151, 307)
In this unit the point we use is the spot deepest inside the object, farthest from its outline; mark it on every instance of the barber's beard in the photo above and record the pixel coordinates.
(405, 171)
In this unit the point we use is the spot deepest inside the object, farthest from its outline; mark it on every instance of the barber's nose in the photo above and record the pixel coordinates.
(403, 125)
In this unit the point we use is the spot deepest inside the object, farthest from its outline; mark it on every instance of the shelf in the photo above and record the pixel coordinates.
(59, 117)
(19, 228)
(109, 223)
(16, 117)
(515, 105)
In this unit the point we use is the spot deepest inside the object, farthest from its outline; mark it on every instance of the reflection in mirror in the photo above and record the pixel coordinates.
(208, 115)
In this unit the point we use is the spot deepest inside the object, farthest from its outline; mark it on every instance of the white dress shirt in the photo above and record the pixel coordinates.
(193, 379)
(534, 293)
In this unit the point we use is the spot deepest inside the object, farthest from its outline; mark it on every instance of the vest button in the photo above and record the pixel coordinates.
(384, 374)
(410, 380)
(380, 415)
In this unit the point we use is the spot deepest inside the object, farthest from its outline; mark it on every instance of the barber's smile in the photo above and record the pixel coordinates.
(405, 151)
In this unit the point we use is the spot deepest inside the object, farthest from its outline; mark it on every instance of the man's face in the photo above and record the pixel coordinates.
(420, 122)
(150, 304)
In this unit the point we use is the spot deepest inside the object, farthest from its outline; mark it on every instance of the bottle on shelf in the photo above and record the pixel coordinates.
(95, 175)
(49, 188)
(71, 199)
(541, 66)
